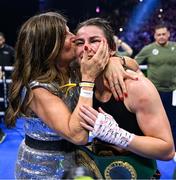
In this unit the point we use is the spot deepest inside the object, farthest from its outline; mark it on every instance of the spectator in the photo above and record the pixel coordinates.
(6, 52)
(122, 48)
(6, 59)
(160, 56)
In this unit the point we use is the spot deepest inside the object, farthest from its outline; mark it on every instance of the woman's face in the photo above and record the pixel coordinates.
(89, 36)
(68, 51)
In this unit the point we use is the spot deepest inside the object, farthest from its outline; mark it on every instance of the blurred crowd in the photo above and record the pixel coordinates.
(120, 17)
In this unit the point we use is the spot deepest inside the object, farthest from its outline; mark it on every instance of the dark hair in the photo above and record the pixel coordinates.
(161, 25)
(39, 44)
(104, 26)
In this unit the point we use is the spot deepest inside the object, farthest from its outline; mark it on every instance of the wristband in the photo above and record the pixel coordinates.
(124, 62)
(86, 84)
(86, 93)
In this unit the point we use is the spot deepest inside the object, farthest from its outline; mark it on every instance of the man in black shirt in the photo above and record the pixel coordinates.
(6, 59)
(6, 52)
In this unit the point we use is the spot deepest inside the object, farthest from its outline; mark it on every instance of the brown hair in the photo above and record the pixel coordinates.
(39, 44)
(104, 26)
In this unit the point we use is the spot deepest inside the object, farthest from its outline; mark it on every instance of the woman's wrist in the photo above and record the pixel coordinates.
(87, 79)
(121, 59)
(86, 92)
(123, 62)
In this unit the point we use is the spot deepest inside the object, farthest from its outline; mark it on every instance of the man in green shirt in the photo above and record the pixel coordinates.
(160, 56)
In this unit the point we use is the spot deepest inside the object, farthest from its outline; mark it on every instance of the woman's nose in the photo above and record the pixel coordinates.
(90, 48)
(87, 46)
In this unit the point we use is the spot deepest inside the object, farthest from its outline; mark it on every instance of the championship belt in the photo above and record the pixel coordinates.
(129, 166)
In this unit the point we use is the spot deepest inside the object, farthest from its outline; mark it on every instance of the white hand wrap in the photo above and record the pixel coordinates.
(107, 130)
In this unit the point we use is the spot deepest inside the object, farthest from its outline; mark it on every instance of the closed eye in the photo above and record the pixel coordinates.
(78, 42)
(95, 40)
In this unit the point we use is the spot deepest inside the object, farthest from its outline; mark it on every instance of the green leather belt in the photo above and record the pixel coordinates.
(128, 166)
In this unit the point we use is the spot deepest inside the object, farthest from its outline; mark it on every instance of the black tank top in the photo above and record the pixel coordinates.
(127, 121)
(123, 117)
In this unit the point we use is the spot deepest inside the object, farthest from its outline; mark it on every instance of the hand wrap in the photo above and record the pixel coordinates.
(107, 129)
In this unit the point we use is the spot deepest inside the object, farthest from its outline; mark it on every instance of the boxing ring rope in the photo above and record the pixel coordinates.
(4, 86)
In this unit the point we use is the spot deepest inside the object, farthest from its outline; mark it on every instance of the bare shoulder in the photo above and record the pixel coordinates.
(43, 97)
(142, 83)
(42, 93)
(140, 92)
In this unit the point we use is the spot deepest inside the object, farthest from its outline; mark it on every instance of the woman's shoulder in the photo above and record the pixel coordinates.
(140, 90)
(51, 87)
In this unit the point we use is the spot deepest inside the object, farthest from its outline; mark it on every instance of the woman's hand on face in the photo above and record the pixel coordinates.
(91, 67)
(115, 74)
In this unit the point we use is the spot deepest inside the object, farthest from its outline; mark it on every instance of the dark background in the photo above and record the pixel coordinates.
(119, 12)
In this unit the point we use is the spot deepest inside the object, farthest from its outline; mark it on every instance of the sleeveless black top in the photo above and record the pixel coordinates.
(120, 113)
